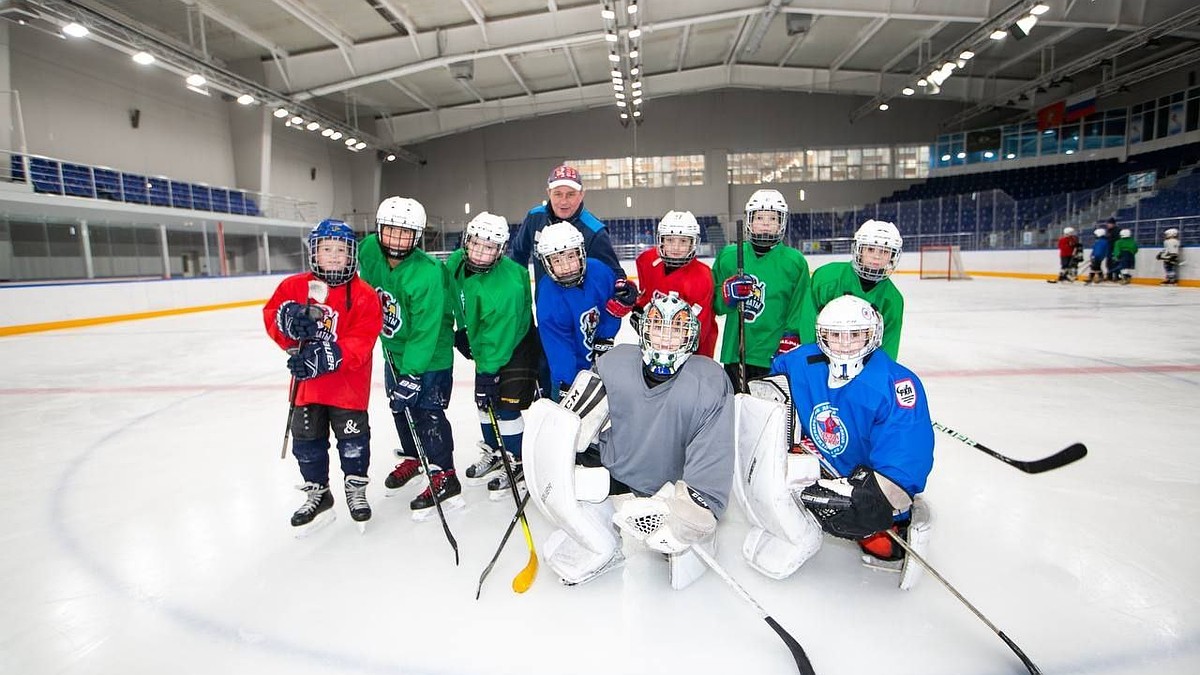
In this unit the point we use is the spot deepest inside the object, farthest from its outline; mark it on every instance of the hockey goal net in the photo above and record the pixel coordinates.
(942, 262)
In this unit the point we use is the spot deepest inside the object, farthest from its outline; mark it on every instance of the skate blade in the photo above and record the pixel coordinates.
(893, 566)
(452, 504)
(506, 493)
(362, 526)
(322, 520)
(481, 480)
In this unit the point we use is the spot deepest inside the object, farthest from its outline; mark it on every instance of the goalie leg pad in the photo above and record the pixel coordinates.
(683, 569)
(588, 400)
(918, 538)
(575, 563)
(592, 483)
(779, 558)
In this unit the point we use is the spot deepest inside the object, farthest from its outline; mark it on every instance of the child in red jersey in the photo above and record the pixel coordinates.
(672, 266)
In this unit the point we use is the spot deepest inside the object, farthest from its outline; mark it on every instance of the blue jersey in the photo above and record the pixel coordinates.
(570, 320)
(880, 419)
(596, 243)
(1100, 249)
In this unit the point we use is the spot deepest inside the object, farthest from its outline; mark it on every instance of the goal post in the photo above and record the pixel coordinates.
(942, 262)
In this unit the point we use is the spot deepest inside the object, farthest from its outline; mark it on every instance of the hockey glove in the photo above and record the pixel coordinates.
(850, 508)
(315, 359)
(297, 321)
(737, 288)
(624, 296)
(789, 342)
(487, 390)
(461, 343)
(600, 347)
(404, 393)
(669, 522)
(635, 319)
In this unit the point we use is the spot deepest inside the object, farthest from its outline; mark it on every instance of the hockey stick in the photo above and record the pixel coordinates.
(741, 307)
(317, 290)
(524, 578)
(802, 663)
(519, 515)
(1069, 454)
(412, 429)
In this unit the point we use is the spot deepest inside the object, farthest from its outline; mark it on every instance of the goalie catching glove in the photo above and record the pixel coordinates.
(850, 508)
(670, 521)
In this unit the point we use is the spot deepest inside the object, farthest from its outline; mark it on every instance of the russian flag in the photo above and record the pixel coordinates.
(1081, 105)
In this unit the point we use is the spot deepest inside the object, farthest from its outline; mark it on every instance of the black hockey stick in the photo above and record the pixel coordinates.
(524, 578)
(802, 663)
(1069, 454)
(412, 429)
(519, 515)
(741, 309)
(319, 291)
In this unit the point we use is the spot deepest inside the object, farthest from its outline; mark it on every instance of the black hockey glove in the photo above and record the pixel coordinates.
(404, 393)
(850, 508)
(635, 319)
(600, 347)
(314, 359)
(487, 390)
(297, 321)
(624, 296)
(461, 343)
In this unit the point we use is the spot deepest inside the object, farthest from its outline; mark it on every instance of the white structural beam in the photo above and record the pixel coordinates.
(412, 93)
(681, 58)
(1048, 42)
(731, 55)
(571, 64)
(903, 54)
(477, 14)
(309, 17)
(516, 76)
(799, 40)
(864, 36)
(405, 20)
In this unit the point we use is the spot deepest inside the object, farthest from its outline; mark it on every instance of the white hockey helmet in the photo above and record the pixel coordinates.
(402, 212)
(1100, 232)
(877, 235)
(1126, 233)
(1068, 231)
(484, 240)
(848, 330)
(1170, 232)
(766, 201)
(678, 224)
(562, 243)
(669, 334)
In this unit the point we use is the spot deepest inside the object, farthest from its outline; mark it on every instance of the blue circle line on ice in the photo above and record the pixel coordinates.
(189, 617)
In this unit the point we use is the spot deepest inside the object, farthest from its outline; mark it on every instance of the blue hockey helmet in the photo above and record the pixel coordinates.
(333, 252)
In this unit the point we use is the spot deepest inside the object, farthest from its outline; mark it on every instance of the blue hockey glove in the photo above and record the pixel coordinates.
(737, 288)
(624, 296)
(487, 390)
(405, 393)
(297, 321)
(315, 359)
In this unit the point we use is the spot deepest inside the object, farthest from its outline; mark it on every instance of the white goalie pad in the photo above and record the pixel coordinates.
(918, 539)
(588, 400)
(784, 535)
(549, 462)
(575, 563)
(683, 569)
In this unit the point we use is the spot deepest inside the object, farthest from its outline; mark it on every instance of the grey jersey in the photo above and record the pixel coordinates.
(682, 428)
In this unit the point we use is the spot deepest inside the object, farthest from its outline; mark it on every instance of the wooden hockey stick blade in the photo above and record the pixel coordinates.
(525, 577)
(1069, 454)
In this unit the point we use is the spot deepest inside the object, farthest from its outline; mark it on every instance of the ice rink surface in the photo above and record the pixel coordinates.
(145, 525)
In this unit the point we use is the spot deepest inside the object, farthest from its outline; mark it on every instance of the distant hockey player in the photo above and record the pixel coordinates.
(573, 321)
(1169, 255)
(672, 266)
(1125, 253)
(328, 319)
(493, 309)
(418, 339)
(1070, 253)
(774, 277)
(874, 255)
(652, 419)
(862, 421)
(1099, 256)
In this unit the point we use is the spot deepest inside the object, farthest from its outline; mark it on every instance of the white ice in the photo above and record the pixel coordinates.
(145, 525)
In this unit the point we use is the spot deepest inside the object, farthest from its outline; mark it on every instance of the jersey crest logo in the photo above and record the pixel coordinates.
(392, 321)
(906, 393)
(757, 302)
(327, 326)
(827, 430)
(588, 322)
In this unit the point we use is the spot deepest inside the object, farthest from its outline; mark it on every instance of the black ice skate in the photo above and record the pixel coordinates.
(404, 472)
(498, 488)
(485, 469)
(317, 510)
(449, 494)
(356, 500)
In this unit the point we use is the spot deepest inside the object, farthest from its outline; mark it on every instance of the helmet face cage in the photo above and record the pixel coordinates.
(333, 252)
(669, 334)
(484, 241)
(560, 249)
(848, 330)
(761, 204)
(876, 250)
(396, 218)
(684, 233)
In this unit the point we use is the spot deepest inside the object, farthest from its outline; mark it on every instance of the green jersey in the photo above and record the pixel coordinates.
(834, 280)
(780, 279)
(494, 308)
(1124, 245)
(418, 308)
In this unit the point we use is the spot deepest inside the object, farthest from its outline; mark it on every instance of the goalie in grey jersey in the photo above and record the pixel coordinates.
(656, 421)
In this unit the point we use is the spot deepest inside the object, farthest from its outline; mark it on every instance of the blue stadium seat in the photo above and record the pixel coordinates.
(135, 188)
(181, 195)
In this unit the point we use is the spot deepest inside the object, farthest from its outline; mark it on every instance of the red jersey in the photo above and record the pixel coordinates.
(354, 326)
(694, 284)
(1067, 246)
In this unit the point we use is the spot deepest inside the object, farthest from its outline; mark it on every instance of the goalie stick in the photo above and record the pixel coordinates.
(1069, 454)
(802, 662)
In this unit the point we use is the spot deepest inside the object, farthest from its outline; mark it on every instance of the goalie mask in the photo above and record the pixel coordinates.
(876, 250)
(766, 218)
(848, 330)
(484, 241)
(560, 248)
(669, 334)
(399, 223)
(678, 235)
(333, 252)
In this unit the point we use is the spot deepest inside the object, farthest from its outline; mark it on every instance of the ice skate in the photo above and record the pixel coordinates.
(498, 488)
(317, 510)
(356, 500)
(486, 468)
(405, 471)
(449, 494)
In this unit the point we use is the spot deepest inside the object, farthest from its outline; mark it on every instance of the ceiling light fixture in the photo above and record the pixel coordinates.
(143, 58)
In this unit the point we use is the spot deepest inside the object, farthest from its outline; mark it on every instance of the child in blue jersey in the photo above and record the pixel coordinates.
(867, 418)
(574, 323)
(1100, 253)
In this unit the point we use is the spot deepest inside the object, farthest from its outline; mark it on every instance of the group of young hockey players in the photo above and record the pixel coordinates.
(1113, 255)
(831, 434)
